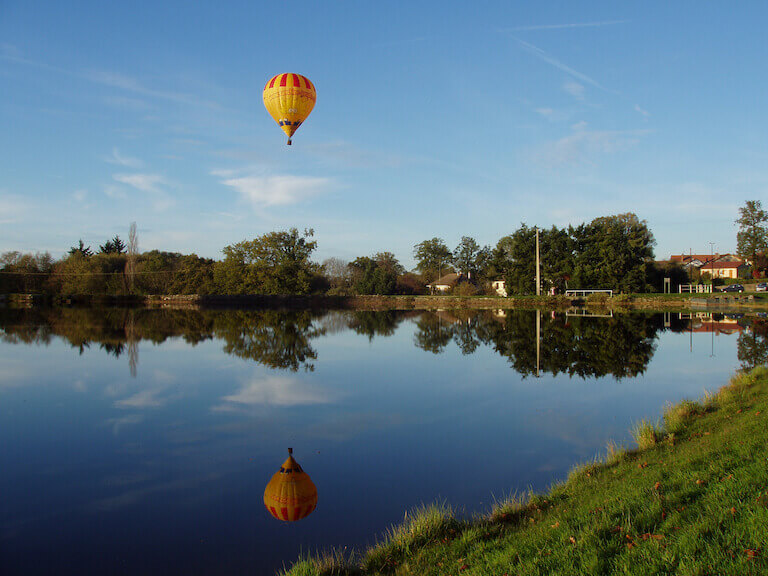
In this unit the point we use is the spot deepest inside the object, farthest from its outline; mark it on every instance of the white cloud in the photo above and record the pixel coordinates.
(585, 146)
(274, 391)
(579, 125)
(276, 190)
(80, 195)
(153, 184)
(642, 111)
(143, 182)
(117, 158)
(546, 112)
(574, 89)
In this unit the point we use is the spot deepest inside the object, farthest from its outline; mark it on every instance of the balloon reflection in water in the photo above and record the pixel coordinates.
(290, 495)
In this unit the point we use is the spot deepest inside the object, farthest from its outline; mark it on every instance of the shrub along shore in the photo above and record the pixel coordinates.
(691, 498)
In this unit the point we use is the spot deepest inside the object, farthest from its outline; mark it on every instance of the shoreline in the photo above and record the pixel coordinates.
(621, 302)
(691, 498)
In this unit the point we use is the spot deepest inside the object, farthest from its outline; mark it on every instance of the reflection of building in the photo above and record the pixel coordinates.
(447, 317)
(719, 326)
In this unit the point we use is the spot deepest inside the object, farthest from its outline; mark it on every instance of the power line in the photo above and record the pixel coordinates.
(94, 273)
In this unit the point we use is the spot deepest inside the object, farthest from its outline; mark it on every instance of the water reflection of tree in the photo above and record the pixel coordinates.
(375, 323)
(24, 326)
(621, 346)
(278, 339)
(752, 345)
(433, 333)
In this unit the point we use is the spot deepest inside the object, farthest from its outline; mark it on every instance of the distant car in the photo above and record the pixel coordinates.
(762, 287)
(734, 288)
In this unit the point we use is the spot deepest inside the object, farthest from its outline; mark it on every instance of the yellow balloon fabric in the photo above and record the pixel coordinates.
(290, 495)
(289, 98)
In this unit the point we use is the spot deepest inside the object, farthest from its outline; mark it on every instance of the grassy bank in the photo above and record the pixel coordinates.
(691, 499)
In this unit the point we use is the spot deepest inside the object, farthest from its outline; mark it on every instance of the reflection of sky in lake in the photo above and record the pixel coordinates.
(101, 472)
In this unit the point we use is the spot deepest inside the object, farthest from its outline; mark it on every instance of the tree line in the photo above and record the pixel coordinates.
(610, 252)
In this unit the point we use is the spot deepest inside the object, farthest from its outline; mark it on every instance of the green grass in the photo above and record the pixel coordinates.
(692, 499)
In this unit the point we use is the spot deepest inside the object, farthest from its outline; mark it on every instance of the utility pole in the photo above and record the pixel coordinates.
(538, 265)
(712, 264)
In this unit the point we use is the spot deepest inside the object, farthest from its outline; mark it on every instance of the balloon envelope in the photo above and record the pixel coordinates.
(289, 98)
(290, 495)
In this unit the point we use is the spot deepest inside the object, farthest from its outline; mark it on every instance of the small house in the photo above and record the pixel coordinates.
(445, 283)
(724, 268)
(500, 286)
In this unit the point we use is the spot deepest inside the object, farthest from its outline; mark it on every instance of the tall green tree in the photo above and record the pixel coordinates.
(432, 258)
(81, 249)
(389, 262)
(275, 263)
(465, 255)
(613, 252)
(500, 258)
(520, 261)
(113, 246)
(118, 244)
(557, 258)
(370, 277)
(752, 237)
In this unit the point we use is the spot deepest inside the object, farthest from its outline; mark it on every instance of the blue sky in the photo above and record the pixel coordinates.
(432, 119)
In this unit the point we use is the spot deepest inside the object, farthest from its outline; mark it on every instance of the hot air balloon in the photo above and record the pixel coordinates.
(289, 98)
(290, 495)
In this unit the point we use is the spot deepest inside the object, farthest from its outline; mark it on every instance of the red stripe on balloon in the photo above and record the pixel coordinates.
(284, 512)
(283, 79)
(273, 512)
(296, 83)
(272, 83)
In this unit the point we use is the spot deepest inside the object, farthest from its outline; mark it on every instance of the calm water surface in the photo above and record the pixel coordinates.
(140, 442)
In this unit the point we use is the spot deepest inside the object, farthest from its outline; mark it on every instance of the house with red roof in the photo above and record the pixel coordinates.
(724, 268)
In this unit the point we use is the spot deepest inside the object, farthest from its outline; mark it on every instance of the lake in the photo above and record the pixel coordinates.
(140, 441)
